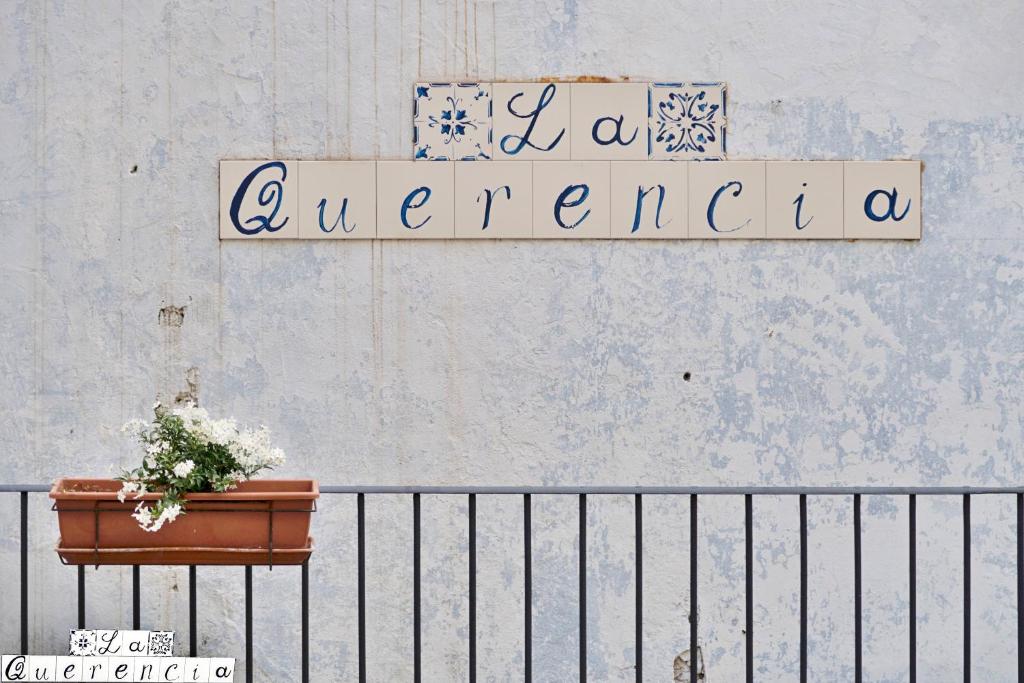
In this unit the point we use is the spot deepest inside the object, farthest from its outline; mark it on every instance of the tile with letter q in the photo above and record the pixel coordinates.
(609, 121)
(686, 121)
(416, 200)
(494, 199)
(258, 200)
(571, 199)
(451, 121)
(69, 668)
(727, 200)
(649, 199)
(531, 121)
(337, 199)
(804, 199)
(882, 200)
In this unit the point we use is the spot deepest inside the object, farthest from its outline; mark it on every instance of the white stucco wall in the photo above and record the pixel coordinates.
(524, 362)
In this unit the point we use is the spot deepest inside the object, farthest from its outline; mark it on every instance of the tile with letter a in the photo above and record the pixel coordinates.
(531, 120)
(571, 199)
(804, 199)
(494, 200)
(258, 200)
(609, 121)
(727, 200)
(687, 120)
(337, 200)
(648, 199)
(415, 200)
(882, 200)
(451, 121)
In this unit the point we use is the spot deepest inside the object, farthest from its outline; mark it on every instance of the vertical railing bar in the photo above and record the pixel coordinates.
(248, 624)
(472, 588)
(638, 518)
(583, 586)
(803, 588)
(192, 634)
(305, 621)
(361, 581)
(967, 588)
(748, 524)
(24, 572)
(527, 588)
(416, 614)
(695, 658)
(81, 596)
(858, 632)
(1020, 588)
(913, 587)
(136, 598)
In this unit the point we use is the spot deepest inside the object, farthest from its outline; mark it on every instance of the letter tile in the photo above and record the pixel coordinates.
(804, 199)
(609, 121)
(494, 199)
(69, 669)
(135, 643)
(452, 121)
(337, 199)
(687, 121)
(222, 669)
(648, 199)
(197, 670)
(882, 200)
(95, 668)
(42, 668)
(258, 200)
(415, 200)
(571, 199)
(120, 668)
(108, 643)
(727, 200)
(147, 669)
(531, 120)
(172, 669)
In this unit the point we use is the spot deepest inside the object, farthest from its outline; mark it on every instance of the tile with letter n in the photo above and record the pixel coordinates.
(687, 121)
(727, 200)
(648, 199)
(804, 199)
(258, 199)
(609, 121)
(494, 200)
(415, 200)
(882, 200)
(337, 200)
(571, 199)
(452, 121)
(531, 121)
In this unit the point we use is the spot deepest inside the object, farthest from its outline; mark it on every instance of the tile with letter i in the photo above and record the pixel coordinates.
(494, 200)
(571, 199)
(531, 121)
(258, 200)
(337, 200)
(452, 121)
(649, 199)
(882, 200)
(609, 121)
(727, 200)
(686, 121)
(804, 199)
(415, 200)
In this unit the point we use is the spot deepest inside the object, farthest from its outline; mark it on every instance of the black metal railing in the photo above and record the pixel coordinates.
(581, 493)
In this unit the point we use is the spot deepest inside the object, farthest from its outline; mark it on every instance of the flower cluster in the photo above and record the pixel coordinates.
(188, 451)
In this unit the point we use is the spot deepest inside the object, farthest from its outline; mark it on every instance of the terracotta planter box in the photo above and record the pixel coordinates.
(263, 521)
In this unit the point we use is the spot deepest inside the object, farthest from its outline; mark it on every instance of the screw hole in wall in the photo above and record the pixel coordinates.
(687, 376)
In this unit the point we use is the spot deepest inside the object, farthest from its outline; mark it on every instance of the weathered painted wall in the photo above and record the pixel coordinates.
(525, 362)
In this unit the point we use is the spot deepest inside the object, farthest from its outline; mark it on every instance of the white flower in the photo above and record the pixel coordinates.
(127, 488)
(184, 468)
(134, 427)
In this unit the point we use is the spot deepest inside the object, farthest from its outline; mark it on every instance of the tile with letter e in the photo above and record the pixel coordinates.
(452, 121)
(337, 199)
(69, 668)
(609, 121)
(259, 199)
(648, 199)
(415, 200)
(882, 200)
(727, 200)
(571, 199)
(686, 121)
(494, 200)
(804, 199)
(531, 120)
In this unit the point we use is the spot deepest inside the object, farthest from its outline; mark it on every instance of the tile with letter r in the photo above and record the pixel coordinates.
(415, 200)
(451, 121)
(258, 200)
(804, 200)
(609, 121)
(531, 120)
(337, 199)
(648, 199)
(571, 199)
(687, 121)
(494, 200)
(882, 200)
(727, 200)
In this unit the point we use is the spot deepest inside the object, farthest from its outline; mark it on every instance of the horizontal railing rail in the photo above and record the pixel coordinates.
(582, 492)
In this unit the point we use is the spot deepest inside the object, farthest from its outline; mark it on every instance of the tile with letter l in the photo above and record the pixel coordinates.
(451, 121)
(648, 199)
(804, 200)
(609, 121)
(571, 199)
(686, 121)
(494, 199)
(415, 200)
(259, 199)
(882, 200)
(337, 199)
(531, 121)
(727, 200)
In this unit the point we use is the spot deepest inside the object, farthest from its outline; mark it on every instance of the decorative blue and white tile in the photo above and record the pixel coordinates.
(452, 121)
(686, 121)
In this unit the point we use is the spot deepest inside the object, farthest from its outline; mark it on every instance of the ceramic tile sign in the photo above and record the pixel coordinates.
(452, 121)
(105, 669)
